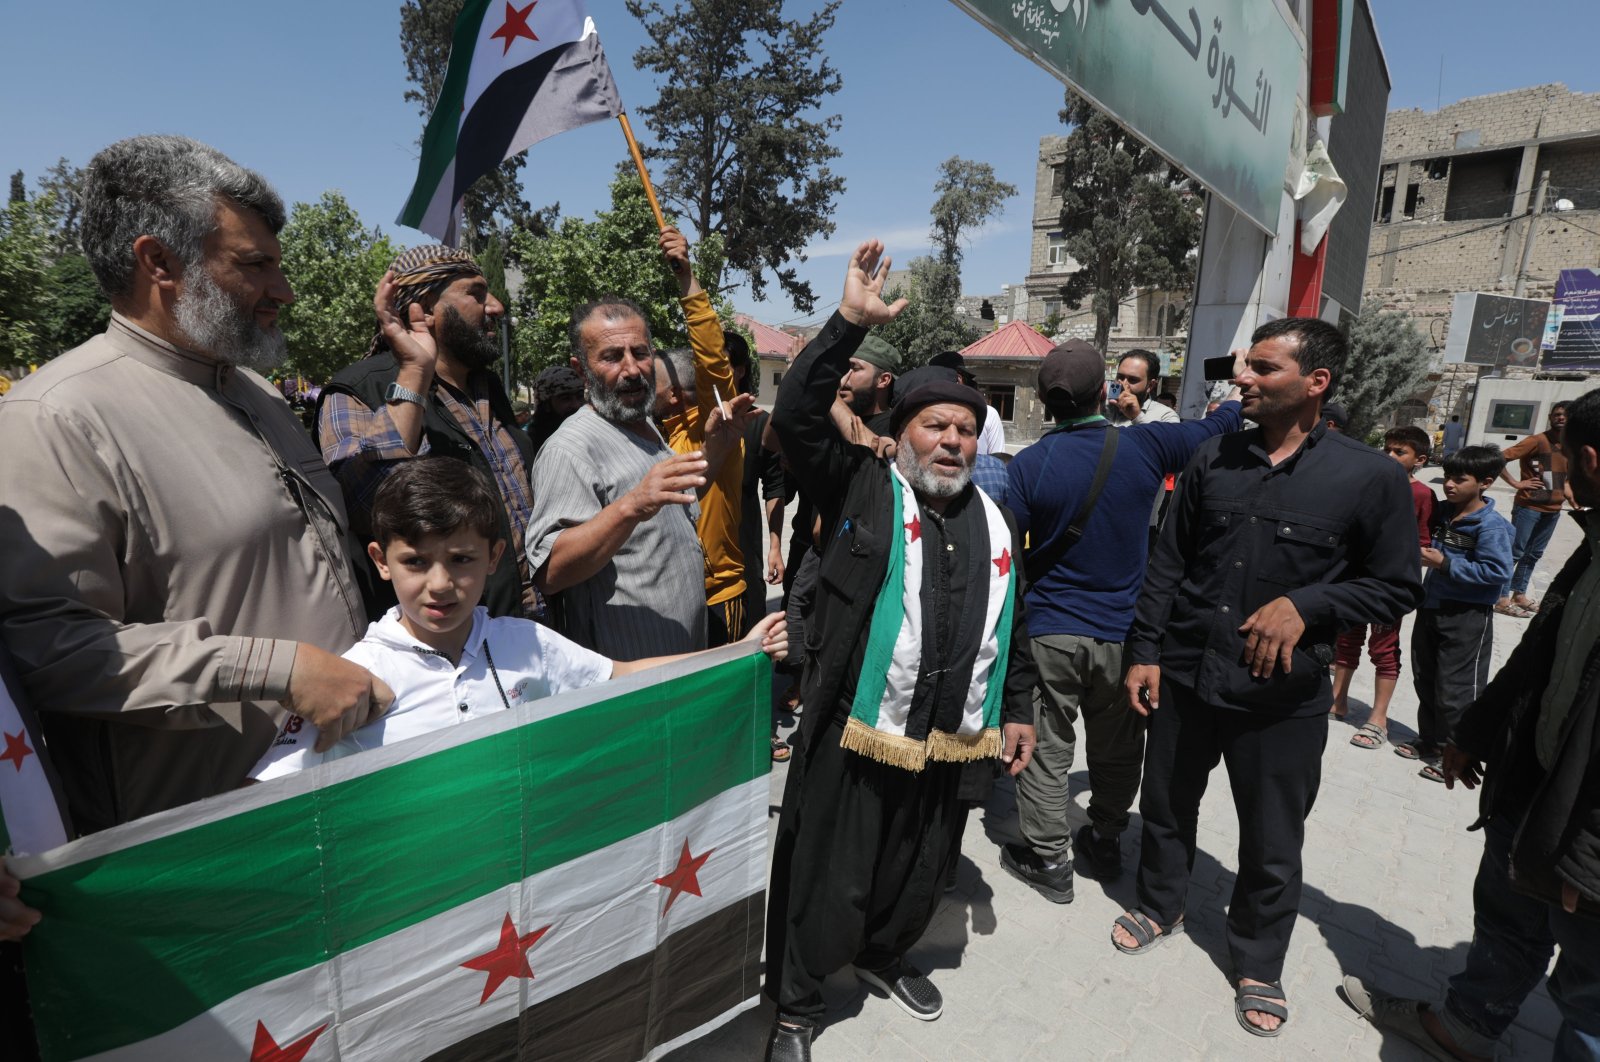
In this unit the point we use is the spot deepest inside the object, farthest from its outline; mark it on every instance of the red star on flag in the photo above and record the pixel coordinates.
(684, 876)
(507, 959)
(915, 527)
(267, 1049)
(1003, 562)
(17, 748)
(516, 25)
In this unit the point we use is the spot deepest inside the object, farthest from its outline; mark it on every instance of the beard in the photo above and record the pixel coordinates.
(861, 402)
(924, 479)
(217, 324)
(473, 347)
(609, 403)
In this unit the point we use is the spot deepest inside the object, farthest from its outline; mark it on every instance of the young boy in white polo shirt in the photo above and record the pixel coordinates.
(436, 526)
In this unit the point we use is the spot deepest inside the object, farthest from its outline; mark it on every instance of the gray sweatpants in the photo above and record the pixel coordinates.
(1079, 675)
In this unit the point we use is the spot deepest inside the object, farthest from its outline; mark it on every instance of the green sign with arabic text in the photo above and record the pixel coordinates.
(1211, 84)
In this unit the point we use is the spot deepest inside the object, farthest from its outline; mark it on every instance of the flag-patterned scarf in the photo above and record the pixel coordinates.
(893, 659)
(423, 271)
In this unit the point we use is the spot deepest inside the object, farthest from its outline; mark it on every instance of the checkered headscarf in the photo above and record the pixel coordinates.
(422, 271)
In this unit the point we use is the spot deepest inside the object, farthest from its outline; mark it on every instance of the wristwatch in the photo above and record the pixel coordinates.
(396, 393)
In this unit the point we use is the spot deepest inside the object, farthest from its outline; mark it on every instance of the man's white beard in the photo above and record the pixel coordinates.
(924, 480)
(219, 326)
(611, 407)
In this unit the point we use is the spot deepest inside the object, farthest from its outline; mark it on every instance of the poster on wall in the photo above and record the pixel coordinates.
(1495, 330)
(1577, 344)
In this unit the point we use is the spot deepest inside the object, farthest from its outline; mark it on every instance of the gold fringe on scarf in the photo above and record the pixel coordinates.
(912, 755)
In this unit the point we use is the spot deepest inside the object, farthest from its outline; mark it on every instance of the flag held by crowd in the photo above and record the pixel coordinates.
(518, 73)
(579, 878)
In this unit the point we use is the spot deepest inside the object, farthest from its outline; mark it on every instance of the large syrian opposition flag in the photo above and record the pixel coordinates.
(518, 73)
(579, 878)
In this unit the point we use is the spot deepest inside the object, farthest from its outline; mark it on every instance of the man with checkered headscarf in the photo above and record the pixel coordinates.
(427, 386)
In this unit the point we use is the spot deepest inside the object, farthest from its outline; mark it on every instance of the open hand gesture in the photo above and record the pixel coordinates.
(408, 338)
(862, 302)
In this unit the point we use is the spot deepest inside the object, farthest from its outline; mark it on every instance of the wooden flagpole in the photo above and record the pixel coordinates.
(644, 175)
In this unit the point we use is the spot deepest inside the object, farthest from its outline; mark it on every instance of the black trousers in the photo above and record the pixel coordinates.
(1274, 766)
(858, 868)
(1450, 650)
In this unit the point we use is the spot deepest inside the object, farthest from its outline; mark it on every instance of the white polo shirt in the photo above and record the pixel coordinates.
(530, 661)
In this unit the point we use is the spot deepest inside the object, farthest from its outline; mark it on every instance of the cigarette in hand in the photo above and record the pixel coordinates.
(723, 406)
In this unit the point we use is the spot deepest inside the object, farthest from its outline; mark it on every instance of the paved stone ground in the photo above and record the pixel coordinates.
(1388, 897)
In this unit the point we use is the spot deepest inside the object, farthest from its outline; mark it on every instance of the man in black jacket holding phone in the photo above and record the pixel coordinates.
(1537, 727)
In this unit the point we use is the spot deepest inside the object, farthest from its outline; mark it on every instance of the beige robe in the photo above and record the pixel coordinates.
(156, 571)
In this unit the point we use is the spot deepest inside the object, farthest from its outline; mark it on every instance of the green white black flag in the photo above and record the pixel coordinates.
(577, 878)
(517, 74)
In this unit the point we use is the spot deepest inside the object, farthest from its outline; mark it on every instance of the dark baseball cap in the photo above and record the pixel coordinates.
(1075, 369)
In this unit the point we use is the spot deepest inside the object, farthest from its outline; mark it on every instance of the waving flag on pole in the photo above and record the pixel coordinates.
(518, 73)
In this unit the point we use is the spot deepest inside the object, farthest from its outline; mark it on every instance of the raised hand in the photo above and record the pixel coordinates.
(670, 481)
(675, 249)
(862, 302)
(408, 338)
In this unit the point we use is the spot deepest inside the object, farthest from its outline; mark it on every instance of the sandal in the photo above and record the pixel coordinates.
(1262, 999)
(1145, 932)
(1415, 750)
(1431, 772)
(781, 751)
(1370, 736)
(1514, 611)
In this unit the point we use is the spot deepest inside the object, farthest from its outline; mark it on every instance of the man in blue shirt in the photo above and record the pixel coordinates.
(1080, 609)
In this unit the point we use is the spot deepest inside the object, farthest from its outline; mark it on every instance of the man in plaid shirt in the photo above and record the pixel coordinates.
(426, 387)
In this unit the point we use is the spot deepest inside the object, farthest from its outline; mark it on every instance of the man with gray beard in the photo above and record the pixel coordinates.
(173, 585)
(612, 538)
(919, 675)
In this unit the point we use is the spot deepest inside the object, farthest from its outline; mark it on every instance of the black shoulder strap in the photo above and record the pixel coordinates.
(1038, 562)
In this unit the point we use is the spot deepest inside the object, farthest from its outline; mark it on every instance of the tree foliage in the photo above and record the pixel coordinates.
(334, 263)
(737, 123)
(966, 195)
(62, 186)
(24, 275)
(76, 309)
(1129, 218)
(1387, 363)
(494, 203)
(615, 254)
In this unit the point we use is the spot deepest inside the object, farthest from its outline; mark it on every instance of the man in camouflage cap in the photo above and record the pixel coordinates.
(427, 386)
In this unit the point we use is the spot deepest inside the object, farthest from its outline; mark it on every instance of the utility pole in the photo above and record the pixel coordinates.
(1533, 231)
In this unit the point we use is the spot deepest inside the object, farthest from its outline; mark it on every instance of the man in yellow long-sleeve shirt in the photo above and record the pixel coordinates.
(689, 385)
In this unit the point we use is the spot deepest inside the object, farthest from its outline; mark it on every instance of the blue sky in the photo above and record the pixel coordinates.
(310, 94)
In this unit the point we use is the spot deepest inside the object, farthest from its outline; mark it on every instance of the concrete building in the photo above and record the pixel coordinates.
(1453, 211)
(1148, 319)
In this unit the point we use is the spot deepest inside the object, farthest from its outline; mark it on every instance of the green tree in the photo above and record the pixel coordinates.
(24, 278)
(334, 263)
(63, 185)
(1387, 363)
(494, 203)
(736, 122)
(19, 188)
(967, 194)
(1130, 219)
(76, 310)
(615, 254)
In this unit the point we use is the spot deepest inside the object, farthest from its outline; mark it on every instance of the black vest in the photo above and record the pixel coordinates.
(366, 382)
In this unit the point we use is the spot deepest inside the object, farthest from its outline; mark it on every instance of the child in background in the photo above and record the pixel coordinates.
(1409, 447)
(436, 522)
(1468, 563)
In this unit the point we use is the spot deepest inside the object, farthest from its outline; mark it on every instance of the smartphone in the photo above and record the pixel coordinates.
(1114, 390)
(1219, 368)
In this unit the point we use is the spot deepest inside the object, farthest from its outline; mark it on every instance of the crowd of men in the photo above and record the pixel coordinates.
(184, 568)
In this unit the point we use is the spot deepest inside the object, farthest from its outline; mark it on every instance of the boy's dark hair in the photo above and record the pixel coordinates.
(434, 496)
(1409, 435)
(1479, 462)
(1321, 346)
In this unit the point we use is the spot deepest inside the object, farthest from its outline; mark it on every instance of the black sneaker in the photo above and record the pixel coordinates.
(1097, 857)
(786, 1044)
(1022, 863)
(911, 991)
